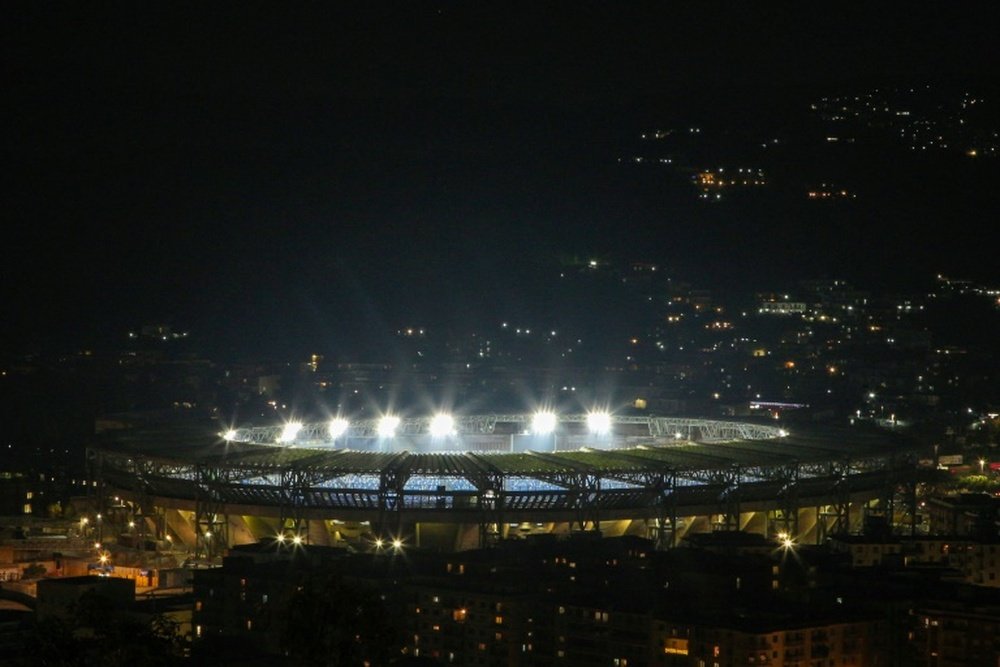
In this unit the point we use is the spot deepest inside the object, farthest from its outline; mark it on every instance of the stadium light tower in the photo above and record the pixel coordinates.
(387, 426)
(289, 431)
(442, 425)
(599, 423)
(543, 423)
(338, 427)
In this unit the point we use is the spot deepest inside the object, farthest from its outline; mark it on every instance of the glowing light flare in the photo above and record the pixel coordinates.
(599, 423)
(338, 427)
(229, 435)
(289, 431)
(543, 423)
(387, 426)
(297, 540)
(442, 425)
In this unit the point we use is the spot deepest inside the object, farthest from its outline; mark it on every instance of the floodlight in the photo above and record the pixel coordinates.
(387, 426)
(599, 423)
(289, 431)
(229, 435)
(338, 427)
(543, 423)
(442, 425)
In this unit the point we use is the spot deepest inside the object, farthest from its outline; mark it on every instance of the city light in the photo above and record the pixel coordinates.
(543, 423)
(229, 435)
(387, 426)
(297, 540)
(289, 431)
(379, 543)
(442, 425)
(338, 427)
(599, 423)
(397, 544)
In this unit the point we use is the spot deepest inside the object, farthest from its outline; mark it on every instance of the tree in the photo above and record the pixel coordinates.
(331, 622)
(99, 633)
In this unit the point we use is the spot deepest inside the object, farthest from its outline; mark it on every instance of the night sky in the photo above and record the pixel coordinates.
(308, 179)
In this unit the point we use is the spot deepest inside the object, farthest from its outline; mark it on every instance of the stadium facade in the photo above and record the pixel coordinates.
(453, 483)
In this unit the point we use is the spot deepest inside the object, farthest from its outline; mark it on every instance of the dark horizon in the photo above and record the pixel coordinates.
(314, 181)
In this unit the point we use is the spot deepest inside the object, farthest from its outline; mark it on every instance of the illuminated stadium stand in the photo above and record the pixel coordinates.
(492, 472)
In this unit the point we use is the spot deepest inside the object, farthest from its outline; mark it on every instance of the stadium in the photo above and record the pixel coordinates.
(451, 483)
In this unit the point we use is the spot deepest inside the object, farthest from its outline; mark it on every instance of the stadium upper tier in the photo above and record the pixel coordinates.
(482, 449)
(509, 432)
